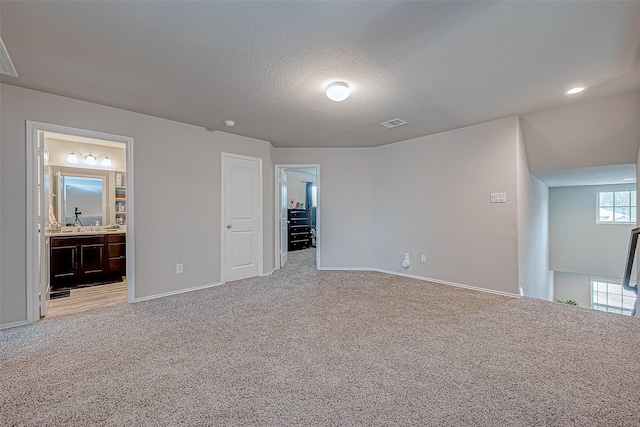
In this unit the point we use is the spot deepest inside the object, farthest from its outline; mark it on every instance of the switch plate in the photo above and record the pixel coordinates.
(498, 197)
(423, 258)
(179, 268)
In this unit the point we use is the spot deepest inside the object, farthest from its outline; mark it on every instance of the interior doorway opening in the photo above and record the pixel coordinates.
(79, 214)
(297, 201)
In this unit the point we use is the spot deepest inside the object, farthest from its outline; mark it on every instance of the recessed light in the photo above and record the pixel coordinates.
(574, 90)
(338, 91)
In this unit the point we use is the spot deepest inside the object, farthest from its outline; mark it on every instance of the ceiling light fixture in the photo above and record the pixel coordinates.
(338, 91)
(89, 159)
(574, 90)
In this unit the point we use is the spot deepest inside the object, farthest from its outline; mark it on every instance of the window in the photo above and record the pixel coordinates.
(314, 196)
(616, 207)
(611, 297)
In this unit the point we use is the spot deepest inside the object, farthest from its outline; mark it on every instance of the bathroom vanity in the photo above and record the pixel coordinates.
(87, 257)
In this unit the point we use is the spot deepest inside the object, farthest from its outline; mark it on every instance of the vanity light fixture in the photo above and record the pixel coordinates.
(89, 159)
(338, 91)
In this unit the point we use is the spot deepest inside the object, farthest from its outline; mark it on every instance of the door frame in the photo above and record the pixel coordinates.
(34, 239)
(278, 167)
(223, 234)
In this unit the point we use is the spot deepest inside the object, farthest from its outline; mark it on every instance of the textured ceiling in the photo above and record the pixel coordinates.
(437, 65)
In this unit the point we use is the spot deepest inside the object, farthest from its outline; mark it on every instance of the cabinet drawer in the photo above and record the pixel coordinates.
(116, 238)
(118, 266)
(299, 228)
(298, 245)
(117, 250)
(303, 214)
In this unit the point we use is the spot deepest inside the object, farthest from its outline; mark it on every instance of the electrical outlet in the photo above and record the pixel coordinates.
(179, 268)
(406, 255)
(498, 197)
(423, 258)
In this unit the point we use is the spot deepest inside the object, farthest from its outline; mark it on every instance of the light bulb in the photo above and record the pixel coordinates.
(72, 158)
(90, 159)
(106, 162)
(338, 91)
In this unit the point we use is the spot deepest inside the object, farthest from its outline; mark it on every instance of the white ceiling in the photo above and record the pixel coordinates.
(597, 175)
(437, 65)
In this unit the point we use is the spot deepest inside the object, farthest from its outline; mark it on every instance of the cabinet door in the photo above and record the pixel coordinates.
(91, 258)
(63, 262)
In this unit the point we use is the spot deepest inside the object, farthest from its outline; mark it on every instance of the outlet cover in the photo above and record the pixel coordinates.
(423, 258)
(498, 197)
(179, 268)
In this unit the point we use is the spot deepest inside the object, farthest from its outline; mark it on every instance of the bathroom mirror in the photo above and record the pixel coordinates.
(86, 193)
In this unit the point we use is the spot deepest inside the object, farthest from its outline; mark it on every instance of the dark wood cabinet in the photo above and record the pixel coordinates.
(91, 256)
(87, 259)
(117, 254)
(299, 229)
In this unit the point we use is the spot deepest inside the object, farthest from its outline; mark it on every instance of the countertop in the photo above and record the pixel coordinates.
(73, 233)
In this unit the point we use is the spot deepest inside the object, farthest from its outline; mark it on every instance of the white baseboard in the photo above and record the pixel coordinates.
(180, 291)
(14, 325)
(425, 279)
(444, 282)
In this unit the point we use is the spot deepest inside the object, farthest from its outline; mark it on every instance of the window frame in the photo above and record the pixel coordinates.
(607, 281)
(613, 207)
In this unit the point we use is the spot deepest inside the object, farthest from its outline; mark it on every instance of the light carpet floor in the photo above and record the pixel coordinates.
(303, 347)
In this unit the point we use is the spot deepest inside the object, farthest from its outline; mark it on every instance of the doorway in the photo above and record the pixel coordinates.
(297, 202)
(79, 213)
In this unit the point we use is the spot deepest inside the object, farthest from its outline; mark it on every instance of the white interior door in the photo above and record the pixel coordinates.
(242, 215)
(284, 221)
(43, 206)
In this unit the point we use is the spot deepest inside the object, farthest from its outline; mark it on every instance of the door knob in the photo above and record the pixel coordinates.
(228, 226)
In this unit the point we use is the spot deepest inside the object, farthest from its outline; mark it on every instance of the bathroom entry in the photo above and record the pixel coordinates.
(297, 213)
(77, 243)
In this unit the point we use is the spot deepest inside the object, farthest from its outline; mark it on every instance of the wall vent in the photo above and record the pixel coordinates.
(6, 66)
(393, 123)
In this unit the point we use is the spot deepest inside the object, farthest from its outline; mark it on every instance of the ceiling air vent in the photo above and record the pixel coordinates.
(393, 123)
(6, 66)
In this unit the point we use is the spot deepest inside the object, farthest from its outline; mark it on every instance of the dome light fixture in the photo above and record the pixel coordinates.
(338, 91)
(574, 90)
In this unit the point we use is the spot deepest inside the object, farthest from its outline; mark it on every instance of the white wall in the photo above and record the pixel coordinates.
(432, 197)
(297, 185)
(536, 280)
(573, 286)
(345, 202)
(577, 243)
(177, 190)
